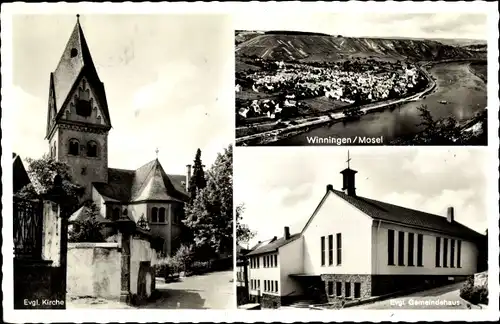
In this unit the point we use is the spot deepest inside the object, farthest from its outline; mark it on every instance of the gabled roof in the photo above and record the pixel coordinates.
(71, 68)
(19, 173)
(406, 216)
(401, 215)
(83, 213)
(149, 182)
(272, 245)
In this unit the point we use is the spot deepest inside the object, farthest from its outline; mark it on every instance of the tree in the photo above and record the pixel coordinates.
(243, 233)
(197, 181)
(89, 229)
(210, 216)
(42, 172)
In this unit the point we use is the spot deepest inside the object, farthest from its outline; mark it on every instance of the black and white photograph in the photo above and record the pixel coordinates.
(361, 79)
(122, 145)
(363, 229)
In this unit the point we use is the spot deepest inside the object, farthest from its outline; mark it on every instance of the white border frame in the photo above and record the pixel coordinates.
(116, 315)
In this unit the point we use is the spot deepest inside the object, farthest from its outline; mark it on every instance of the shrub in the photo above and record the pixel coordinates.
(167, 267)
(474, 294)
(200, 267)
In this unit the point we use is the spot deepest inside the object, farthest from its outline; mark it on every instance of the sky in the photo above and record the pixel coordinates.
(168, 80)
(421, 25)
(283, 186)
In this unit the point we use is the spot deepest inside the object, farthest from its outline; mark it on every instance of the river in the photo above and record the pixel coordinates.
(465, 93)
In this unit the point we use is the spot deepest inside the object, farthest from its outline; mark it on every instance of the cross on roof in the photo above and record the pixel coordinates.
(348, 159)
(156, 151)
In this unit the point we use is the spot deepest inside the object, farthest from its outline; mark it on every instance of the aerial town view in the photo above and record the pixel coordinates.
(311, 88)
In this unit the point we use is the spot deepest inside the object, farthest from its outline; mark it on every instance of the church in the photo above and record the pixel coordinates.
(353, 248)
(78, 124)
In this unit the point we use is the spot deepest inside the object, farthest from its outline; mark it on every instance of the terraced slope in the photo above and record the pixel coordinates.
(311, 47)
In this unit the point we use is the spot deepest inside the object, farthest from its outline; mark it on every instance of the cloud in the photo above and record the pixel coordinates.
(174, 82)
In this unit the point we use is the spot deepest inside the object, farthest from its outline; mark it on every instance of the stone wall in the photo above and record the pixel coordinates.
(270, 301)
(365, 282)
(142, 275)
(94, 269)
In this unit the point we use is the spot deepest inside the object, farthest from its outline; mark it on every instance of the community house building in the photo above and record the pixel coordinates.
(354, 247)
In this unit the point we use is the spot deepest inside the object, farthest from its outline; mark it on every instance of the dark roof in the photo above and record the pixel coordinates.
(406, 216)
(272, 246)
(149, 182)
(70, 70)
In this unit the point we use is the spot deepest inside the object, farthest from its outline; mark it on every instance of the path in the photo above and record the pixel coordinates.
(210, 291)
(445, 297)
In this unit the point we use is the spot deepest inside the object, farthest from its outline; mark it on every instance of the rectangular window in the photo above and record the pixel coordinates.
(272, 285)
(438, 252)
(275, 260)
(348, 289)
(452, 253)
(265, 285)
(258, 262)
(258, 284)
(357, 290)
(322, 250)
(401, 248)
(339, 249)
(411, 246)
(420, 250)
(445, 253)
(276, 285)
(330, 249)
(338, 288)
(459, 254)
(330, 288)
(390, 247)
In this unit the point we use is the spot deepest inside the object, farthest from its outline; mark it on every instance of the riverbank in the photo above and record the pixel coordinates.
(284, 129)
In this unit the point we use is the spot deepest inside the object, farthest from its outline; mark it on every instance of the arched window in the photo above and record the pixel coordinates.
(116, 213)
(154, 215)
(161, 215)
(55, 150)
(74, 147)
(92, 149)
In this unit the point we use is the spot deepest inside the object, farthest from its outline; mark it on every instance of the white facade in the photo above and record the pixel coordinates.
(468, 255)
(336, 216)
(265, 276)
(291, 262)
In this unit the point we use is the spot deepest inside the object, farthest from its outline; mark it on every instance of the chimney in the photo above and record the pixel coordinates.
(349, 183)
(287, 233)
(450, 215)
(329, 187)
(188, 176)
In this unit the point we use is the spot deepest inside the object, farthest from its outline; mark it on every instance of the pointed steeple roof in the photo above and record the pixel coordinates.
(76, 62)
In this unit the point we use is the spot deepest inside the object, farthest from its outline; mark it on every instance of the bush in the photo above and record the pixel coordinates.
(166, 267)
(474, 294)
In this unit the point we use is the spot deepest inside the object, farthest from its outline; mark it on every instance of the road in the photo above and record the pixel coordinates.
(210, 291)
(446, 297)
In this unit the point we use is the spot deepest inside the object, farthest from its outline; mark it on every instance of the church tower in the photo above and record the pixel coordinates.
(78, 118)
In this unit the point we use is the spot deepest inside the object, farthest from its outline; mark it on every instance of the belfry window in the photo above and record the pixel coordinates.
(92, 149)
(161, 215)
(74, 52)
(154, 215)
(83, 104)
(74, 147)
